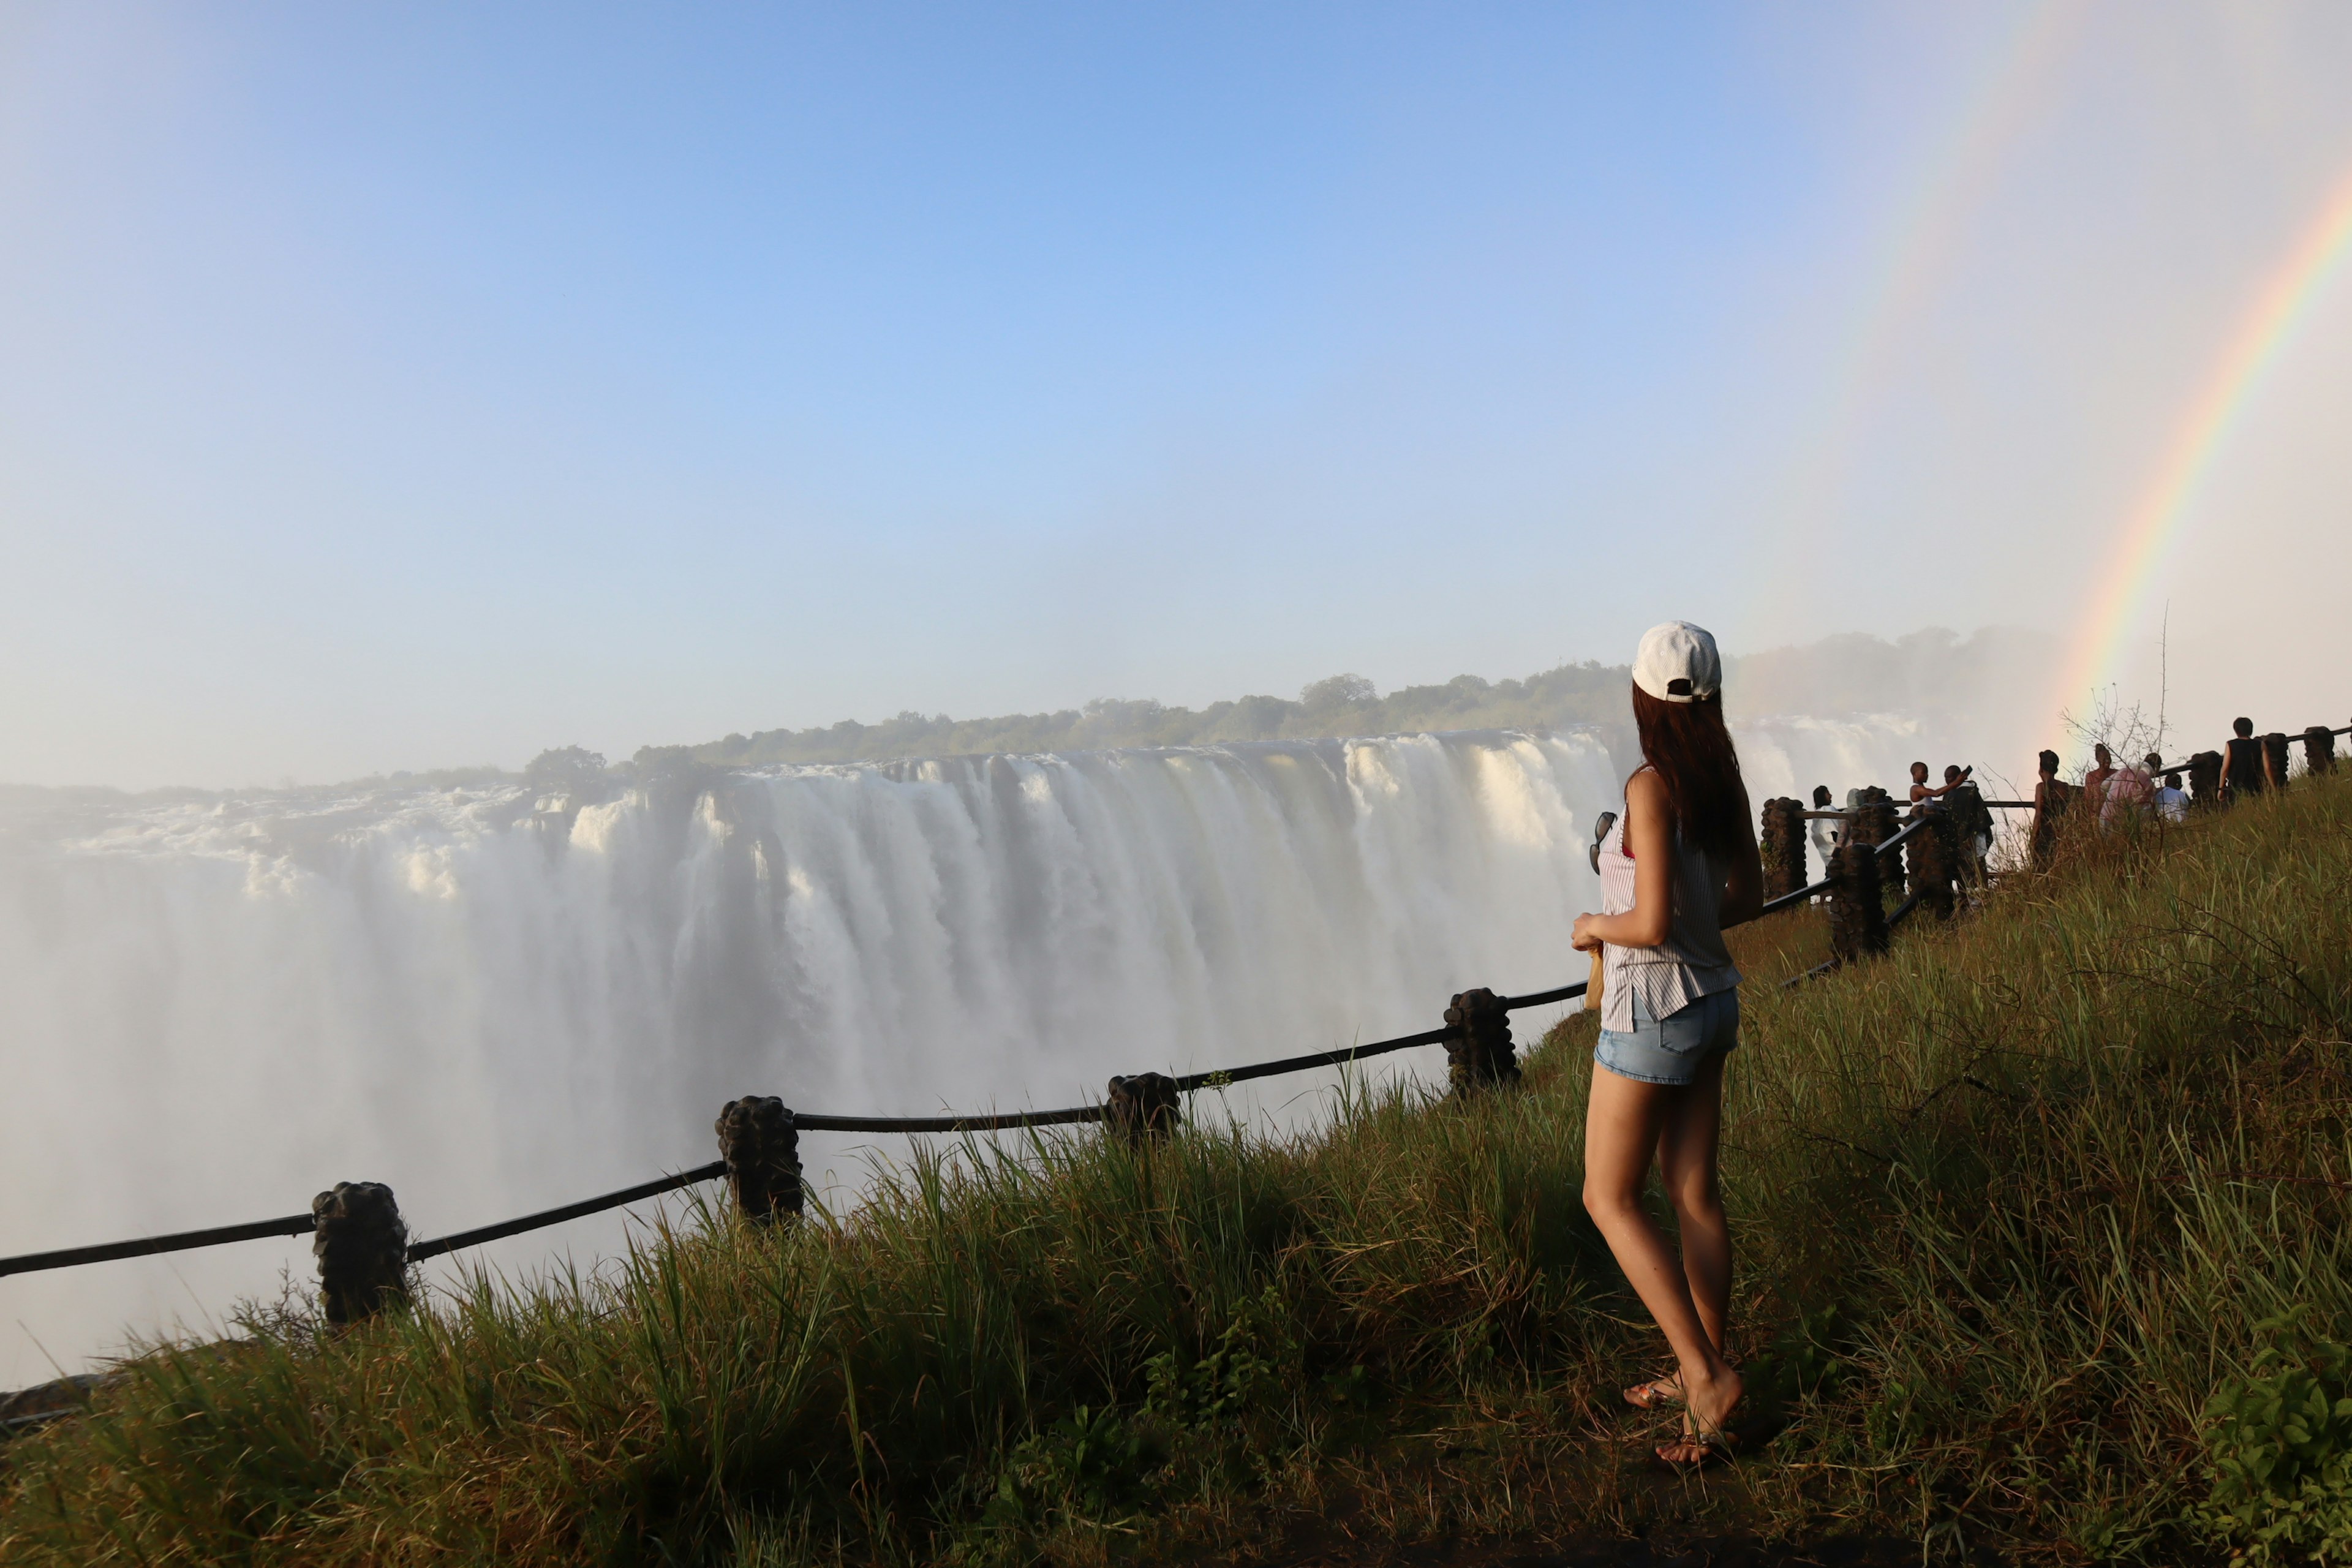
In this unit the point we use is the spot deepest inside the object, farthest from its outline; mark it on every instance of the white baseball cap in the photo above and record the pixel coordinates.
(1678, 663)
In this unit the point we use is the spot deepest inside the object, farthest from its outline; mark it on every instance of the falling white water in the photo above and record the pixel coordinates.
(497, 1003)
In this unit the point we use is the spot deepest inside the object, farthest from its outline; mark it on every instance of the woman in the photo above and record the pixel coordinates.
(1679, 865)
(2245, 766)
(1825, 829)
(2095, 783)
(2052, 796)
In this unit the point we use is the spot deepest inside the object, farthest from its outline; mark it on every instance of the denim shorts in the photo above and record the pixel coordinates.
(1675, 1049)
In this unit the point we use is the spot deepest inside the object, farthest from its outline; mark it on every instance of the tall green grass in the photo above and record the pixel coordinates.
(2014, 1204)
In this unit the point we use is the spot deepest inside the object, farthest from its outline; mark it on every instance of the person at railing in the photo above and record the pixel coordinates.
(2095, 783)
(1827, 833)
(2130, 791)
(2171, 801)
(2245, 767)
(1974, 819)
(2052, 796)
(1924, 799)
(1680, 865)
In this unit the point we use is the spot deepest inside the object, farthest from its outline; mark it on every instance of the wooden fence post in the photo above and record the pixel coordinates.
(1783, 844)
(1478, 1053)
(2205, 778)
(361, 1245)
(1885, 818)
(2319, 749)
(2274, 751)
(1145, 1105)
(1872, 822)
(1857, 919)
(762, 1146)
(1934, 853)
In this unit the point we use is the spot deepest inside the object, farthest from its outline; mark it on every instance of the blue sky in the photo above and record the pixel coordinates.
(389, 387)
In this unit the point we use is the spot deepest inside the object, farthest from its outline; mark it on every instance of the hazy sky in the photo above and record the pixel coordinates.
(398, 387)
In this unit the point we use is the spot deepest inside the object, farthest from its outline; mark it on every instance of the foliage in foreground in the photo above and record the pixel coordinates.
(2044, 1251)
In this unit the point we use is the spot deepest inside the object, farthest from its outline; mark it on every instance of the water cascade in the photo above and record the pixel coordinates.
(497, 1001)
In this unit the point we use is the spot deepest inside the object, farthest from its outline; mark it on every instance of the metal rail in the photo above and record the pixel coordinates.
(419, 1251)
(178, 1241)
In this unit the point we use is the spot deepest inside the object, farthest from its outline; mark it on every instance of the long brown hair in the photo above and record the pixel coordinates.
(1690, 747)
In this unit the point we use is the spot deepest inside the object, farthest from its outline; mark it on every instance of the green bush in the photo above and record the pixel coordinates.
(1092, 1463)
(2279, 1452)
(1256, 1359)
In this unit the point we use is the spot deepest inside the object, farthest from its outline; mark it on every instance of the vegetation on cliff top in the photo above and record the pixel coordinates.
(1847, 674)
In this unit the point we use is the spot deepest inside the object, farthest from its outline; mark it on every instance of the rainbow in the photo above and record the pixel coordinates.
(2118, 602)
(1958, 172)
(1955, 183)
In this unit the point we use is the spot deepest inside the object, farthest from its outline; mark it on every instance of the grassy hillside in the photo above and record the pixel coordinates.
(2043, 1232)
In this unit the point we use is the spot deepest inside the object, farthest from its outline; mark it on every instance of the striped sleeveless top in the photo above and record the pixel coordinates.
(1692, 962)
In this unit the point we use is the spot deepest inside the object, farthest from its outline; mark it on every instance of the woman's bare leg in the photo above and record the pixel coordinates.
(1625, 1123)
(1687, 1145)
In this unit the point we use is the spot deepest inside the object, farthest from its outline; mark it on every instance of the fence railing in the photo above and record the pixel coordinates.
(362, 1243)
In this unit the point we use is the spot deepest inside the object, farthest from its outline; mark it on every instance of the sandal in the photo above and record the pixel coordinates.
(1658, 1393)
(1696, 1451)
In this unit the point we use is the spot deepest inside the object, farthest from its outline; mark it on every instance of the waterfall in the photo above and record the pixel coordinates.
(497, 1001)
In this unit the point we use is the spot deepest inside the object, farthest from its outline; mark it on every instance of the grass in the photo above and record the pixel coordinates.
(2042, 1232)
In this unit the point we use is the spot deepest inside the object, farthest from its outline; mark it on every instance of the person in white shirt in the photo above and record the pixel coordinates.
(1826, 832)
(2171, 801)
(2130, 790)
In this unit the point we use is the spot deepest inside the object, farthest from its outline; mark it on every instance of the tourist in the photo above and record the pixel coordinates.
(2051, 799)
(1680, 865)
(2172, 801)
(2244, 769)
(2128, 791)
(1974, 820)
(1925, 799)
(2095, 783)
(1825, 834)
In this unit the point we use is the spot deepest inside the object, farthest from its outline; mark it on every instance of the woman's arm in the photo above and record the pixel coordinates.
(1944, 788)
(1649, 835)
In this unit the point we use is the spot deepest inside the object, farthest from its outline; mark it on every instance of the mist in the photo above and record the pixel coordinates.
(497, 994)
